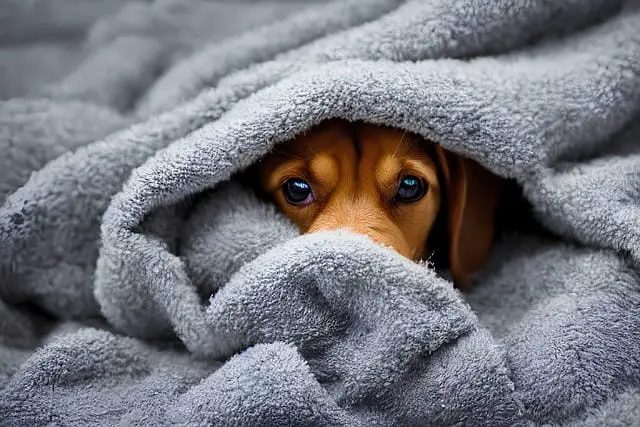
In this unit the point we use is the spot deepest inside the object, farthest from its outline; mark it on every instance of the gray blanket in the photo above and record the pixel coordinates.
(140, 284)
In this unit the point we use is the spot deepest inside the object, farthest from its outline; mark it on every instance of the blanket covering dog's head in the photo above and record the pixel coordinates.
(388, 184)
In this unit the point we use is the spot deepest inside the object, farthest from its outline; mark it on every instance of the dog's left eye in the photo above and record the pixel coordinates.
(297, 191)
(411, 189)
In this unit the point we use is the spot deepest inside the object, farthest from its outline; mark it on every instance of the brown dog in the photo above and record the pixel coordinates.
(388, 185)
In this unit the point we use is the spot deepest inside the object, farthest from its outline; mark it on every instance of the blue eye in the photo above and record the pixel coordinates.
(411, 189)
(297, 191)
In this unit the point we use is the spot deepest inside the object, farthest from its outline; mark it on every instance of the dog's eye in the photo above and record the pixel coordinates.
(297, 192)
(411, 189)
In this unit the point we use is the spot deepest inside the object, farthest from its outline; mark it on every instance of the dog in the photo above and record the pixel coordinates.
(390, 185)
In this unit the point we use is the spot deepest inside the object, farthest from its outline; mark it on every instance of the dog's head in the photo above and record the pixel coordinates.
(387, 184)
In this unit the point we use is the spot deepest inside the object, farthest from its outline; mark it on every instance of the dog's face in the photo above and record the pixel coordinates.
(372, 180)
(383, 183)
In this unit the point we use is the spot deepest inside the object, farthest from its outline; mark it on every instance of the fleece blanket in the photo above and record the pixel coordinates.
(142, 284)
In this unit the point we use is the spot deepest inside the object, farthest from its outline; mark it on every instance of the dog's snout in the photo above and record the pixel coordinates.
(377, 229)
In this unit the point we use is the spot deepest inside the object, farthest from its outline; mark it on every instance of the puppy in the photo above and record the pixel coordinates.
(387, 184)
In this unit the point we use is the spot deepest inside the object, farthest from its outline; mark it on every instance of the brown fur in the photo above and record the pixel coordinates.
(354, 170)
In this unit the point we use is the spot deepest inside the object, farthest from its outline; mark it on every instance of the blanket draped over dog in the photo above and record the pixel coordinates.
(141, 284)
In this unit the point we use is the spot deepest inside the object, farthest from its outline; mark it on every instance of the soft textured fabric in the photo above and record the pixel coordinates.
(141, 284)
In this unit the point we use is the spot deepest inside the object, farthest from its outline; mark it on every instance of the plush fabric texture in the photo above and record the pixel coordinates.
(142, 284)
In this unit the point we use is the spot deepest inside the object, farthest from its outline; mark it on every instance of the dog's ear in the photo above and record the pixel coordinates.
(472, 195)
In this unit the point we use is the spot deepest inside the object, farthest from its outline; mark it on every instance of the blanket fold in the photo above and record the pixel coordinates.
(142, 283)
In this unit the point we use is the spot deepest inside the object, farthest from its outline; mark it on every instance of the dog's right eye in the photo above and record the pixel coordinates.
(297, 191)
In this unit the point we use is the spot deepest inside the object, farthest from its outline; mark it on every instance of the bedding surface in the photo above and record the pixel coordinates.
(141, 283)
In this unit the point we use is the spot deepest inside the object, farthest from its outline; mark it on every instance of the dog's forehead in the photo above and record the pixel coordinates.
(345, 138)
(332, 136)
(389, 142)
